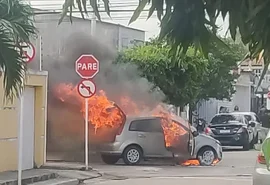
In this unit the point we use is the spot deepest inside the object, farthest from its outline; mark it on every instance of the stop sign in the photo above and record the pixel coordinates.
(87, 66)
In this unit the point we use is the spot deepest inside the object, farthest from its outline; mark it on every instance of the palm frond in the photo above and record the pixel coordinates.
(12, 64)
(16, 26)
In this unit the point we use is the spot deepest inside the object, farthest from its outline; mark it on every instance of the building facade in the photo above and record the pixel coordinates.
(34, 124)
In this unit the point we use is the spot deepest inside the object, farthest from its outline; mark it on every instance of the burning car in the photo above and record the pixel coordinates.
(125, 131)
(149, 137)
(207, 151)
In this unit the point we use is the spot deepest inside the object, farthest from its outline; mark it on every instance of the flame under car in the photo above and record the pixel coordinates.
(148, 137)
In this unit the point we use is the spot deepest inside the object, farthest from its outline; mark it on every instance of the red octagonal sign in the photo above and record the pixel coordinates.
(87, 66)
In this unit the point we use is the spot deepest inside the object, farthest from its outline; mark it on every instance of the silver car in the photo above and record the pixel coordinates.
(261, 175)
(207, 149)
(142, 137)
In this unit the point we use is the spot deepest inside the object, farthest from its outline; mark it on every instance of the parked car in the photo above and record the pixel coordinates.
(207, 149)
(143, 137)
(261, 175)
(232, 129)
(252, 117)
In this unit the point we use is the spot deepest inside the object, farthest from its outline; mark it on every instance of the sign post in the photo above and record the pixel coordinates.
(86, 66)
(20, 156)
(29, 53)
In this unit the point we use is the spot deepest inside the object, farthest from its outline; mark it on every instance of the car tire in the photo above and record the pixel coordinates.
(132, 155)
(206, 156)
(110, 159)
(256, 140)
(246, 146)
(253, 142)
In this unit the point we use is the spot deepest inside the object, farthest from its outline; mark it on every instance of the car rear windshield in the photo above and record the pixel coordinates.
(221, 119)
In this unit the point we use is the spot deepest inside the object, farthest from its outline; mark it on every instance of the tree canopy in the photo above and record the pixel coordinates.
(16, 27)
(190, 79)
(186, 23)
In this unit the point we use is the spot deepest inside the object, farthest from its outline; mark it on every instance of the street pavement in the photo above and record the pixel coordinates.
(236, 168)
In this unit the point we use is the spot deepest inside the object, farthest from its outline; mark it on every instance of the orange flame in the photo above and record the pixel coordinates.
(103, 113)
(191, 162)
(196, 162)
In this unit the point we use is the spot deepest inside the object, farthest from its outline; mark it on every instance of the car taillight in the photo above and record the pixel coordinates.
(241, 130)
(120, 130)
(208, 131)
(261, 158)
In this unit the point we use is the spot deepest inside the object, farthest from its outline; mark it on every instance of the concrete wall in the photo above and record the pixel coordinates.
(9, 123)
(241, 98)
(243, 95)
(55, 37)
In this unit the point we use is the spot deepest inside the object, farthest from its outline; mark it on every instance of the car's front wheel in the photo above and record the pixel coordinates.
(132, 155)
(110, 159)
(206, 156)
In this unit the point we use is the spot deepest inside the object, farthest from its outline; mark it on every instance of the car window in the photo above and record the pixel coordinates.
(226, 118)
(246, 120)
(248, 117)
(146, 125)
(257, 118)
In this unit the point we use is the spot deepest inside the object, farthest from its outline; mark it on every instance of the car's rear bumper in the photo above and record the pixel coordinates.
(111, 148)
(232, 140)
(261, 175)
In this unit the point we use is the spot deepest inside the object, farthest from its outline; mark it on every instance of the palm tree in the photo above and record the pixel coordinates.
(16, 26)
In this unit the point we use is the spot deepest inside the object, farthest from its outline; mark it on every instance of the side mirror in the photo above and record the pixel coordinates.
(252, 124)
(195, 133)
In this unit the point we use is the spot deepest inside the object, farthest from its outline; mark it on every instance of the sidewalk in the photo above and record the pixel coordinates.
(51, 173)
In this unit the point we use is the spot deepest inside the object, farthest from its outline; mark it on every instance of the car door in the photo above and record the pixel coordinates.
(258, 123)
(149, 136)
(247, 119)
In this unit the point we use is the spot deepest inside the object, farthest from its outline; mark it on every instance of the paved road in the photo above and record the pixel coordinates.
(236, 168)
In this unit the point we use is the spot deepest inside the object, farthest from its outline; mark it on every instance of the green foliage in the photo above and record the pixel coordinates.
(190, 79)
(16, 26)
(186, 23)
(173, 79)
(218, 79)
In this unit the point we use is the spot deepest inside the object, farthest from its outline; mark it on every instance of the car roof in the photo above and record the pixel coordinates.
(244, 113)
(129, 119)
(237, 113)
(132, 118)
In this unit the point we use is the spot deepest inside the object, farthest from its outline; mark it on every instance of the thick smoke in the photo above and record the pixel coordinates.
(66, 124)
(116, 79)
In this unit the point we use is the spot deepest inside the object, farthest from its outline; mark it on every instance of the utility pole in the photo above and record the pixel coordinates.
(93, 24)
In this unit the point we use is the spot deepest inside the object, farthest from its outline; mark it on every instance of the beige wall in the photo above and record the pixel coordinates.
(9, 123)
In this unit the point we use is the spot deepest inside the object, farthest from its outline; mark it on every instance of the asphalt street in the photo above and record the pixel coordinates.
(236, 168)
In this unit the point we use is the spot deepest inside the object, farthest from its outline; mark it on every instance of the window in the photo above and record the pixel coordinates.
(225, 118)
(248, 117)
(257, 118)
(146, 125)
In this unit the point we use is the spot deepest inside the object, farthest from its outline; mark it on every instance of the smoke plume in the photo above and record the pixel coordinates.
(66, 125)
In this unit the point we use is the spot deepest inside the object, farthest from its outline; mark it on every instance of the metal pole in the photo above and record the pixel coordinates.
(93, 24)
(40, 53)
(20, 141)
(86, 133)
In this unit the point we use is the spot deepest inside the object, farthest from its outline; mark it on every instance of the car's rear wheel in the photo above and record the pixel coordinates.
(206, 156)
(256, 139)
(132, 155)
(110, 159)
(246, 145)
